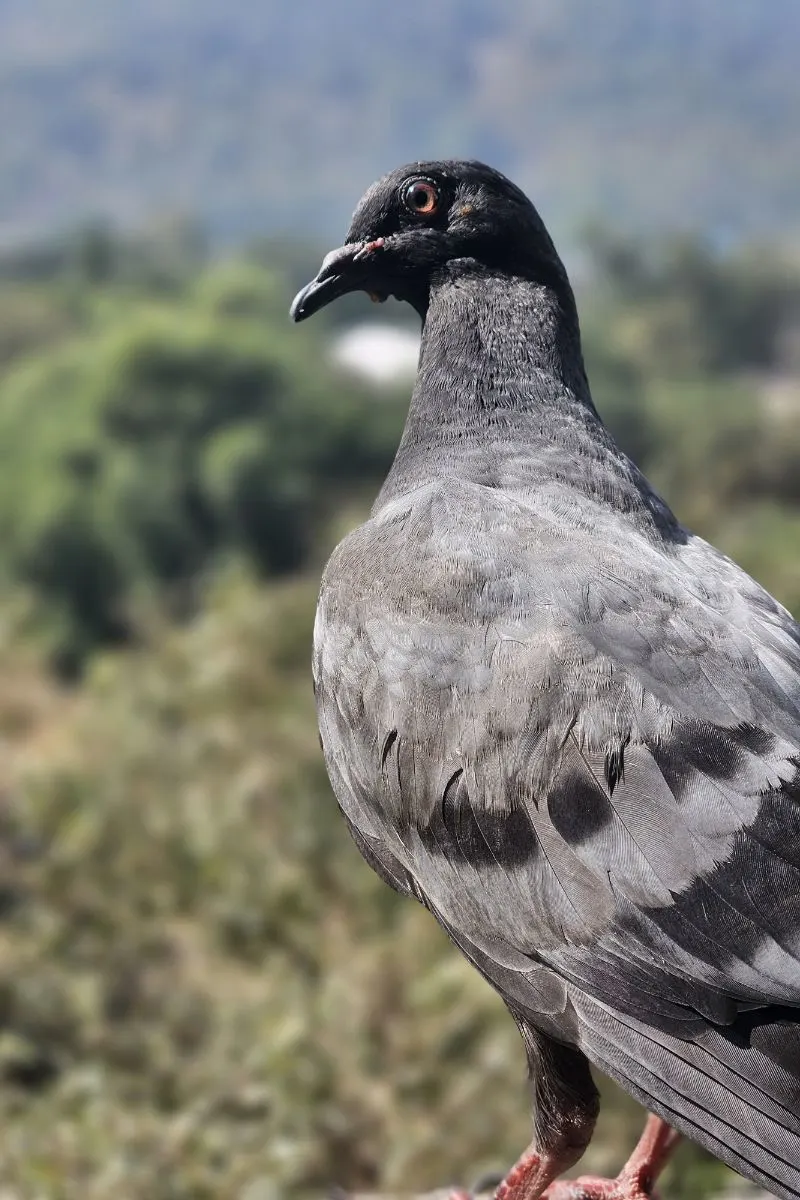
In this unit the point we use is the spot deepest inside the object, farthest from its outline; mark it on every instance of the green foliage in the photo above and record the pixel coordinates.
(685, 310)
(168, 435)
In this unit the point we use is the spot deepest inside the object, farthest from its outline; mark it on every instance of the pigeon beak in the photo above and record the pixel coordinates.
(342, 271)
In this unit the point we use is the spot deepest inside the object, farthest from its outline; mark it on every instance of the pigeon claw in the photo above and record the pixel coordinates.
(593, 1187)
(523, 1182)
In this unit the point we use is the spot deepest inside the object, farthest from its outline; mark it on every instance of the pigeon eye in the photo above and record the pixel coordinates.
(421, 197)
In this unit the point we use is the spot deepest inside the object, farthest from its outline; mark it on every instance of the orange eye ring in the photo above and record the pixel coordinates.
(421, 197)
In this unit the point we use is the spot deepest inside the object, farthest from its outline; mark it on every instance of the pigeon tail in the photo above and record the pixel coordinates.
(735, 1091)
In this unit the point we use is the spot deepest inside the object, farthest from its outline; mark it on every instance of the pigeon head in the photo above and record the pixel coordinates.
(431, 221)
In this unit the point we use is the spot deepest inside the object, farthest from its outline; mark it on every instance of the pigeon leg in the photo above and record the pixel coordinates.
(634, 1182)
(566, 1106)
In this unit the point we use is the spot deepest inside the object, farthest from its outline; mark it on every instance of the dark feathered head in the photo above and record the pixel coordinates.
(429, 220)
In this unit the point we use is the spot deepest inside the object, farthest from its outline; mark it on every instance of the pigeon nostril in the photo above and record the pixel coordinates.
(369, 248)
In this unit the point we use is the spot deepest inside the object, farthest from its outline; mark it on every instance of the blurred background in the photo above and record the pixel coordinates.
(203, 991)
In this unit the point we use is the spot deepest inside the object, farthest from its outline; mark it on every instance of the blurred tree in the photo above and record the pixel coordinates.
(684, 308)
(175, 435)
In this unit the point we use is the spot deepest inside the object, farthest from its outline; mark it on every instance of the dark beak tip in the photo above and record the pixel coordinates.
(314, 296)
(296, 312)
(335, 277)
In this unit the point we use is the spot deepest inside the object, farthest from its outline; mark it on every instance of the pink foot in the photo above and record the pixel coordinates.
(533, 1177)
(593, 1187)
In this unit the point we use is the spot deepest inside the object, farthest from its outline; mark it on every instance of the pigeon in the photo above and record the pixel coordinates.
(559, 720)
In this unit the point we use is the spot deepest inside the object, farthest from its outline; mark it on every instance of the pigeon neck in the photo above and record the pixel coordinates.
(496, 351)
(497, 342)
(502, 400)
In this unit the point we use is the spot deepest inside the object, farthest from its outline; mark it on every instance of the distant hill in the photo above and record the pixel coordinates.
(268, 115)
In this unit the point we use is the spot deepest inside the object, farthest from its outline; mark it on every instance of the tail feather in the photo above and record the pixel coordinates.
(736, 1090)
